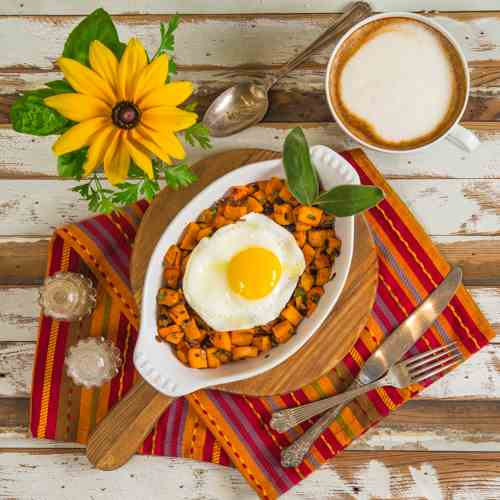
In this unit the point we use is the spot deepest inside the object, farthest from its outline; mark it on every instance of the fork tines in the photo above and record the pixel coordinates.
(434, 362)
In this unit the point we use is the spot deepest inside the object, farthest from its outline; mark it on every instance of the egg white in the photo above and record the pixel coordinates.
(205, 283)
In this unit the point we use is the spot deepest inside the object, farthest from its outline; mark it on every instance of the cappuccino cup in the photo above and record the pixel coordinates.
(399, 83)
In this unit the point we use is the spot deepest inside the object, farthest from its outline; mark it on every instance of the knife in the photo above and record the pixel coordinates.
(385, 356)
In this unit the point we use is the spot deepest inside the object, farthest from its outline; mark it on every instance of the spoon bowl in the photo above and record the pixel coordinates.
(237, 108)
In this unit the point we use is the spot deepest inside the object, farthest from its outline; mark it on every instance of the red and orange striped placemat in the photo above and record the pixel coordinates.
(224, 428)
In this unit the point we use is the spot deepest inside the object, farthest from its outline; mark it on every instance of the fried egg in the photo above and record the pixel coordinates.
(244, 274)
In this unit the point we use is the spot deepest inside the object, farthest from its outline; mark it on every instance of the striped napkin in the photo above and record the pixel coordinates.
(223, 428)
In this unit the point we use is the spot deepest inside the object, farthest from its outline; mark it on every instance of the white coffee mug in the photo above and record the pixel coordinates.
(457, 134)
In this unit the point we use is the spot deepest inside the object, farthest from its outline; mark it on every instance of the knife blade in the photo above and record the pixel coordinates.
(387, 354)
(411, 329)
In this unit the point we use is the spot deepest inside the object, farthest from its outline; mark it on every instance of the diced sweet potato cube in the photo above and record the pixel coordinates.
(309, 215)
(268, 327)
(308, 252)
(282, 331)
(333, 245)
(197, 357)
(254, 206)
(203, 233)
(172, 334)
(182, 355)
(221, 221)
(241, 338)
(283, 214)
(168, 297)
(184, 262)
(212, 359)
(179, 314)
(292, 315)
(262, 343)
(233, 212)
(172, 277)
(272, 188)
(193, 333)
(222, 340)
(285, 194)
(327, 219)
(243, 352)
(260, 196)
(306, 281)
(313, 297)
(300, 236)
(188, 240)
(207, 216)
(323, 276)
(301, 227)
(321, 260)
(300, 302)
(173, 257)
(317, 238)
(239, 192)
(224, 356)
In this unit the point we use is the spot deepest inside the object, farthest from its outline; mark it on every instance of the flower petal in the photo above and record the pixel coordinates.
(104, 62)
(133, 61)
(152, 77)
(78, 107)
(140, 156)
(142, 136)
(168, 142)
(171, 94)
(168, 118)
(79, 135)
(97, 149)
(116, 166)
(86, 81)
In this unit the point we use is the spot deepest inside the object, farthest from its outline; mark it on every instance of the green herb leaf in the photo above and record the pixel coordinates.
(347, 200)
(71, 164)
(30, 115)
(60, 87)
(167, 41)
(129, 193)
(179, 176)
(301, 175)
(96, 26)
(198, 134)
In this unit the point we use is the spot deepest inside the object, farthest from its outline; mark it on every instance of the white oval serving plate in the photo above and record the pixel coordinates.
(156, 361)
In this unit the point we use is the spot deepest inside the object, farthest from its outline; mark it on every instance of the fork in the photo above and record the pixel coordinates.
(412, 370)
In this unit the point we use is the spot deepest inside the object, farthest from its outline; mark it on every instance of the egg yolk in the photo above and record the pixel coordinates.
(253, 272)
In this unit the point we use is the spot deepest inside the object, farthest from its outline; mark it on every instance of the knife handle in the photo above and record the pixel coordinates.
(294, 455)
(284, 420)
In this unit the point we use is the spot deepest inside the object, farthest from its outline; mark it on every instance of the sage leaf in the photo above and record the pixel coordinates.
(71, 164)
(301, 175)
(96, 26)
(30, 115)
(347, 200)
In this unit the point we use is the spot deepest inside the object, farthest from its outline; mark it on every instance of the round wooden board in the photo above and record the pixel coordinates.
(340, 330)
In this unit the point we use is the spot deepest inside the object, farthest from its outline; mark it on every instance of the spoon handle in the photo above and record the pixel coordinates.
(356, 13)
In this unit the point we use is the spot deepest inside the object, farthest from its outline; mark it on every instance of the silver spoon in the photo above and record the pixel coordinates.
(246, 103)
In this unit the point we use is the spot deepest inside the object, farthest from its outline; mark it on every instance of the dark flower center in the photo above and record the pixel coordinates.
(126, 115)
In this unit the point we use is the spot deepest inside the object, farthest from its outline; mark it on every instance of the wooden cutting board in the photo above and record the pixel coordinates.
(340, 330)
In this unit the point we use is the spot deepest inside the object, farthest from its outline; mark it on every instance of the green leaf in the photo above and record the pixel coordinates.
(71, 164)
(129, 193)
(349, 200)
(198, 134)
(301, 175)
(30, 115)
(167, 41)
(149, 188)
(96, 26)
(60, 87)
(179, 176)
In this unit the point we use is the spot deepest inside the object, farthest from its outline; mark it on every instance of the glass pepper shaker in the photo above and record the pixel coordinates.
(67, 296)
(92, 362)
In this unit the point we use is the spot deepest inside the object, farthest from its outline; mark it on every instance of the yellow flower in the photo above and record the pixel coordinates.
(124, 110)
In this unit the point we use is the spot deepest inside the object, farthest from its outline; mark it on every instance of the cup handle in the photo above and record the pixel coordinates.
(463, 138)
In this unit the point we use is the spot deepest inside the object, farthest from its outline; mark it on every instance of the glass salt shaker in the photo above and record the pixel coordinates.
(67, 296)
(92, 362)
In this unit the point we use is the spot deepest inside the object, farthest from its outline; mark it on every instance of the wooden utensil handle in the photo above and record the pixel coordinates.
(124, 429)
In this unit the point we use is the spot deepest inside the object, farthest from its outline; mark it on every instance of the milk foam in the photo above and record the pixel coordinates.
(400, 82)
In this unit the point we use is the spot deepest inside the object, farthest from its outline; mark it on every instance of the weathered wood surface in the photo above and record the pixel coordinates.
(58, 475)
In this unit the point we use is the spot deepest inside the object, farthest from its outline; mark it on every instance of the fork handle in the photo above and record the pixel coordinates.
(283, 420)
